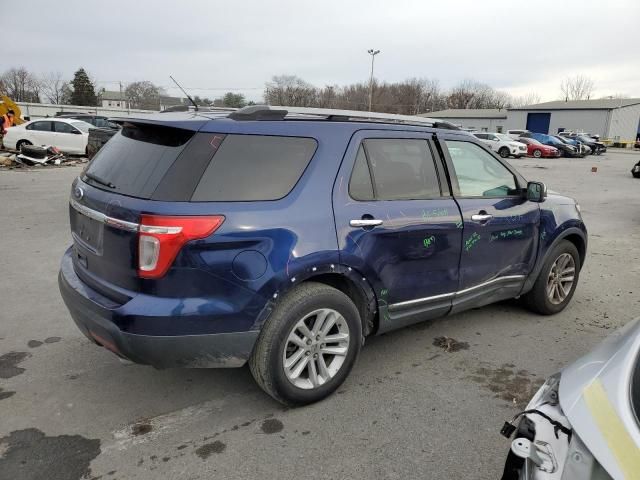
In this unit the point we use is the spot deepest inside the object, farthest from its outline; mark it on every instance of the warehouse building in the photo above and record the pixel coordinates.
(475, 119)
(614, 119)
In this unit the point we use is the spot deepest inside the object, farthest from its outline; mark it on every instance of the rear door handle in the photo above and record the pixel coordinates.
(365, 222)
(481, 217)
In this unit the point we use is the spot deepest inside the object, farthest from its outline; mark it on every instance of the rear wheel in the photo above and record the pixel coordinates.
(20, 143)
(556, 282)
(308, 345)
(537, 153)
(504, 152)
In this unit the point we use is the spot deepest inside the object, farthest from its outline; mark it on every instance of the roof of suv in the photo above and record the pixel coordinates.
(261, 113)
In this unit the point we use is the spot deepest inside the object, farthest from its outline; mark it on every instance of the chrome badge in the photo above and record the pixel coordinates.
(78, 193)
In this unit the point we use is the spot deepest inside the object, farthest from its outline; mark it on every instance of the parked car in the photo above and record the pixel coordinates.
(538, 150)
(504, 145)
(286, 236)
(635, 170)
(68, 135)
(584, 422)
(516, 134)
(565, 149)
(597, 148)
(97, 138)
(581, 148)
(99, 121)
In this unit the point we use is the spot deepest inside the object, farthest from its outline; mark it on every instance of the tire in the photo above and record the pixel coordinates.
(274, 345)
(20, 143)
(538, 299)
(537, 153)
(33, 151)
(504, 152)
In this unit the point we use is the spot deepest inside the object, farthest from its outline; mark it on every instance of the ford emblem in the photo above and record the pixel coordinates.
(78, 193)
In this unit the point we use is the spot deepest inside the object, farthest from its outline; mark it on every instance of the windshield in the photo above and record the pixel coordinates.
(504, 137)
(586, 139)
(563, 140)
(82, 126)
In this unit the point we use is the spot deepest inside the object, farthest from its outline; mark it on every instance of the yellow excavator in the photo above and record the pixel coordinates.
(7, 104)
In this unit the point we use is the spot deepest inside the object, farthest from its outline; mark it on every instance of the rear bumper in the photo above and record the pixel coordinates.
(96, 318)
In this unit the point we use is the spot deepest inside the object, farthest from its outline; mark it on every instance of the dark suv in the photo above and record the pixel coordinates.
(284, 238)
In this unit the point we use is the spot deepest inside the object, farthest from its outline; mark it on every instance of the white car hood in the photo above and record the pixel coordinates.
(595, 397)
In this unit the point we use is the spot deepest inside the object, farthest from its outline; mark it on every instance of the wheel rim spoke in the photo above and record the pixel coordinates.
(302, 364)
(338, 337)
(313, 374)
(322, 368)
(291, 361)
(340, 351)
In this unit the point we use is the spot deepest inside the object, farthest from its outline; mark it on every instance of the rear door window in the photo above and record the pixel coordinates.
(61, 127)
(402, 169)
(40, 126)
(360, 185)
(254, 167)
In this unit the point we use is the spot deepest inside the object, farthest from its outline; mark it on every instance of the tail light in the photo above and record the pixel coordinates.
(160, 238)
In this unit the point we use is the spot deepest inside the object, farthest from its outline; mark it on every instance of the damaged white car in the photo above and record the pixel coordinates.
(584, 422)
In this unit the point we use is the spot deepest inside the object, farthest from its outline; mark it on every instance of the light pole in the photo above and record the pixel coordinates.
(373, 54)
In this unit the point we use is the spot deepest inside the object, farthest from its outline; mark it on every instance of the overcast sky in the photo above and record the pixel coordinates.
(215, 46)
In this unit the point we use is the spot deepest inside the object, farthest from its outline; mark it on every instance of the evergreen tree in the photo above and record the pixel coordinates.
(83, 89)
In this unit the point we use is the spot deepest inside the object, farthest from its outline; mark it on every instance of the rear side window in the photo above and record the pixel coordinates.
(401, 169)
(360, 185)
(135, 160)
(40, 126)
(254, 167)
(61, 127)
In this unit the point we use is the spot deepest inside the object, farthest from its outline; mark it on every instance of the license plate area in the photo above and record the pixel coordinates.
(88, 232)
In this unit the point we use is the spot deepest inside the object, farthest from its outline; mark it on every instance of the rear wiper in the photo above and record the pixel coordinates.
(99, 180)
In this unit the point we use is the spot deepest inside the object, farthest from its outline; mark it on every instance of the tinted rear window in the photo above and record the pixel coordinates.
(254, 167)
(136, 159)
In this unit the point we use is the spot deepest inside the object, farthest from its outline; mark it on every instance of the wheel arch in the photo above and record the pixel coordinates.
(574, 235)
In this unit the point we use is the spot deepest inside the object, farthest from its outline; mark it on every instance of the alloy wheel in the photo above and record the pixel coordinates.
(561, 278)
(316, 348)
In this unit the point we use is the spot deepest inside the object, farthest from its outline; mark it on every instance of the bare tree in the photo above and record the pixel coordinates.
(53, 87)
(530, 98)
(20, 85)
(144, 95)
(290, 90)
(579, 87)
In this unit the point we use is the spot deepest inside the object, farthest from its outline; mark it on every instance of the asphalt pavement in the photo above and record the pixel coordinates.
(411, 408)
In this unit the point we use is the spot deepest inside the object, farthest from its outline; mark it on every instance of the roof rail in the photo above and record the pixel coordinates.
(266, 112)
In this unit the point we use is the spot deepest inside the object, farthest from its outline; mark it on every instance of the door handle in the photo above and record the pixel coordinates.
(481, 217)
(365, 222)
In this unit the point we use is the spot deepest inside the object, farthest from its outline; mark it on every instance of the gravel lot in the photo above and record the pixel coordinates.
(410, 409)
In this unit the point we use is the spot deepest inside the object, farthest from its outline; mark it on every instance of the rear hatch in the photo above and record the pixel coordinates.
(165, 170)
(116, 188)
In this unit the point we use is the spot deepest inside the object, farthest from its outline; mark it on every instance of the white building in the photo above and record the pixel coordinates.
(614, 119)
(474, 119)
(113, 99)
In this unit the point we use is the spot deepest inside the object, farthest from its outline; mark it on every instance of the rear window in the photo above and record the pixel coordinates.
(169, 164)
(254, 167)
(136, 159)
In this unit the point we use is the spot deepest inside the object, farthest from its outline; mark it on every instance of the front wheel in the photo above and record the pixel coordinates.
(504, 152)
(556, 282)
(20, 143)
(537, 153)
(308, 345)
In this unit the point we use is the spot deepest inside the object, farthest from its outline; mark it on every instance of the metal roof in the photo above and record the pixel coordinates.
(600, 104)
(467, 113)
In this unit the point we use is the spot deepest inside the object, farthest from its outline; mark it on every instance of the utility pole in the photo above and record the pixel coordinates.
(373, 54)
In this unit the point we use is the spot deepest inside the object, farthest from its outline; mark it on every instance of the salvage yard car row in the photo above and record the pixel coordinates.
(518, 143)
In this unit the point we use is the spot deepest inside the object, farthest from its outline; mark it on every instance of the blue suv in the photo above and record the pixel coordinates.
(284, 237)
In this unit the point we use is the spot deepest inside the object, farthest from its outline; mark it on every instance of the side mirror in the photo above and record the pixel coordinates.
(536, 191)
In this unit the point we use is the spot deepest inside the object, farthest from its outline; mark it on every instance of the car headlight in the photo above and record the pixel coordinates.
(547, 394)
